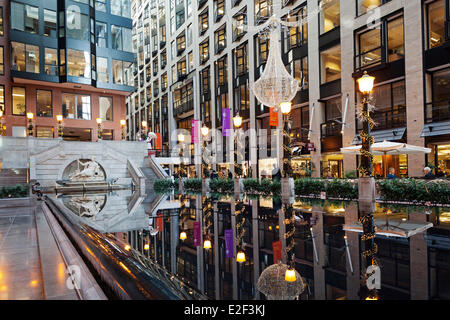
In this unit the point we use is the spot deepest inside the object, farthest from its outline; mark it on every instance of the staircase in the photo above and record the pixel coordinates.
(152, 172)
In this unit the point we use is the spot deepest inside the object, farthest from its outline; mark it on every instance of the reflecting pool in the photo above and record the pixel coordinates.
(195, 240)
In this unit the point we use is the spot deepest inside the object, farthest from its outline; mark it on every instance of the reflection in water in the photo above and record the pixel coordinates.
(335, 247)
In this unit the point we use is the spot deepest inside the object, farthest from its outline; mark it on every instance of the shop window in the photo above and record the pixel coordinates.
(44, 103)
(24, 17)
(106, 108)
(330, 63)
(18, 101)
(79, 64)
(76, 106)
(395, 45)
(242, 100)
(24, 57)
(330, 16)
(50, 23)
(51, 61)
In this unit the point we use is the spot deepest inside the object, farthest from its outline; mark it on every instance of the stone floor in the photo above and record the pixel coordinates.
(31, 266)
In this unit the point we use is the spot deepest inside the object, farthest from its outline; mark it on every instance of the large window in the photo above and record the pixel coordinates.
(76, 106)
(77, 25)
(50, 23)
(2, 98)
(1, 21)
(221, 71)
(24, 17)
(220, 39)
(51, 61)
(239, 22)
(102, 70)
(2, 60)
(298, 36)
(203, 21)
(121, 8)
(242, 99)
(122, 73)
(262, 44)
(241, 60)
(330, 16)
(78, 63)
(301, 72)
(106, 108)
(121, 38)
(367, 5)
(24, 57)
(219, 9)
(204, 51)
(18, 101)
(181, 43)
(100, 5)
(330, 64)
(263, 10)
(438, 100)
(101, 33)
(435, 23)
(44, 103)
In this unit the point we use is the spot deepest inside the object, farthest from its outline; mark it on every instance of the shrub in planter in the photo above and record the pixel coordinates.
(339, 188)
(309, 186)
(251, 186)
(17, 191)
(163, 185)
(221, 185)
(265, 186)
(193, 185)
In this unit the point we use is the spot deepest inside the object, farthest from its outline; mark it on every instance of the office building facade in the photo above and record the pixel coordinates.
(194, 58)
(69, 58)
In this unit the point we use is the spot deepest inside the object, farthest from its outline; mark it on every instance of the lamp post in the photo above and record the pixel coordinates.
(237, 122)
(59, 119)
(123, 123)
(1, 122)
(287, 154)
(30, 117)
(204, 131)
(99, 128)
(365, 86)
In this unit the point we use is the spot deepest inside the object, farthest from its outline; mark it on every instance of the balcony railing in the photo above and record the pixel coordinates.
(330, 128)
(388, 119)
(437, 111)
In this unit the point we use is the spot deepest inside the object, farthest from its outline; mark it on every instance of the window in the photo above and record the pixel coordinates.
(263, 9)
(366, 5)
(121, 8)
(330, 16)
(221, 71)
(220, 39)
(441, 85)
(78, 63)
(24, 17)
(330, 63)
(50, 23)
(77, 25)
(106, 108)
(262, 43)
(102, 70)
(298, 36)
(181, 43)
(219, 9)
(242, 99)
(51, 61)
(333, 109)
(204, 81)
(203, 21)
(163, 59)
(181, 67)
(1, 21)
(206, 111)
(44, 103)
(221, 102)
(435, 23)
(24, 57)
(179, 17)
(101, 33)
(164, 81)
(241, 60)
(204, 51)
(76, 106)
(2, 98)
(239, 22)
(122, 73)
(18, 101)
(301, 72)
(190, 61)
(62, 62)
(395, 45)
(120, 38)
(2, 60)
(100, 5)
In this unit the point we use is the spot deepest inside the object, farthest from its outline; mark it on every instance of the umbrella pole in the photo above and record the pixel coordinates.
(385, 165)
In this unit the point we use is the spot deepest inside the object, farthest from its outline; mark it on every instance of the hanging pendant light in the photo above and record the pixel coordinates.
(183, 235)
(207, 244)
(290, 275)
(240, 257)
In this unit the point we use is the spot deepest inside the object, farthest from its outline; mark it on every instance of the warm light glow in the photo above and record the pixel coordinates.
(207, 244)
(99, 120)
(277, 227)
(389, 211)
(1, 113)
(290, 275)
(30, 115)
(33, 283)
(270, 228)
(146, 246)
(285, 107)
(183, 236)
(237, 121)
(371, 298)
(366, 83)
(123, 122)
(127, 247)
(59, 118)
(204, 130)
(180, 137)
(240, 257)
(144, 124)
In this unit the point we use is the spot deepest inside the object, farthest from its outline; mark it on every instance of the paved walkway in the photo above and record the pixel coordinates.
(31, 265)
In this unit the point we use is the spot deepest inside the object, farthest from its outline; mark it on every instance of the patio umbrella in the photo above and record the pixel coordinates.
(388, 148)
(152, 135)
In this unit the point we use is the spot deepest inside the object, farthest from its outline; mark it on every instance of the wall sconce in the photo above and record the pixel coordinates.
(59, 119)
(99, 127)
(123, 123)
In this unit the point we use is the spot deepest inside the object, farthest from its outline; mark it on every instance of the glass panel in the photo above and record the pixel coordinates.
(436, 23)
(78, 63)
(330, 64)
(106, 108)
(102, 70)
(77, 25)
(116, 37)
(101, 32)
(44, 103)
(17, 16)
(100, 5)
(17, 56)
(31, 19)
(366, 5)
(369, 48)
(396, 49)
(330, 16)
(117, 71)
(31, 58)
(76, 106)
(126, 36)
(50, 23)
(441, 85)
(116, 7)
(51, 62)
(18, 101)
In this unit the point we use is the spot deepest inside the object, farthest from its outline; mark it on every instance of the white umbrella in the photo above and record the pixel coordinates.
(152, 135)
(388, 148)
